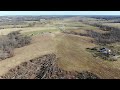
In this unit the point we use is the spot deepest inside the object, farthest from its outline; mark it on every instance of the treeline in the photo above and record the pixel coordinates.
(105, 38)
(9, 42)
(112, 36)
(103, 27)
(115, 21)
(32, 18)
(101, 38)
(105, 17)
(12, 22)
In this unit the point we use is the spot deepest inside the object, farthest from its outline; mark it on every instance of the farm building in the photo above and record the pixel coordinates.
(105, 50)
(43, 20)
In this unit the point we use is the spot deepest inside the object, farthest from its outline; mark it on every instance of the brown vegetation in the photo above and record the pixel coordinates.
(11, 41)
(44, 67)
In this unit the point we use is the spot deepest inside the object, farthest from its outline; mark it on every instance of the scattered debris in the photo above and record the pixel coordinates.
(104, 53)
(87, 75)
(45, 67)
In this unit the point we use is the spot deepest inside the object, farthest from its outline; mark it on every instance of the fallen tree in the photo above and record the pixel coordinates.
(45, 67)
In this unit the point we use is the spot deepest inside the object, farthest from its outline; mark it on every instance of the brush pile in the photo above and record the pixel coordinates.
(44, 67)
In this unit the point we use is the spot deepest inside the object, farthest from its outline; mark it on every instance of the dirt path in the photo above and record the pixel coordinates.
(41, 45)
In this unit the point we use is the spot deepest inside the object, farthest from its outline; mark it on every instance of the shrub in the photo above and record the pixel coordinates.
(104, 38)
(112, 36)
(6, 49)
(9, 42)
(18, 40)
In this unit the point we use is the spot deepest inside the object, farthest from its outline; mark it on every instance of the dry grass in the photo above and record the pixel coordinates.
(113, 24)
(71, 53)
(73, 57)
(41, 45)
(70, 49)
(24, 30)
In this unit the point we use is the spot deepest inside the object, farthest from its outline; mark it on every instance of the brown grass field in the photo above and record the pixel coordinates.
(70, 49)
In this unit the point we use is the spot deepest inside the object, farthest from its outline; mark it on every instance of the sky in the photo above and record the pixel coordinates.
(4, 13)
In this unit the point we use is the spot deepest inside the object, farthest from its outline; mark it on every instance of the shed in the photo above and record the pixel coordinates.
(105, 50)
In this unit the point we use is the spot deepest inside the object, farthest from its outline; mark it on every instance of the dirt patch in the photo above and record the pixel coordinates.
(44, 67)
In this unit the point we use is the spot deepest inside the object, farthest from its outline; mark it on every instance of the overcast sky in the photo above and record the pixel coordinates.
(4, 13)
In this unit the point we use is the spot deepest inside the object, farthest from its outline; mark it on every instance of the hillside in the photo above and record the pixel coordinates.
(67, 41)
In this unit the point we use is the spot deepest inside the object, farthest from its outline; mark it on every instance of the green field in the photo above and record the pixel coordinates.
(40, 32)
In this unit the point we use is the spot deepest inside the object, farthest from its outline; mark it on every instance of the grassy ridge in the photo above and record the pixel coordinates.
(39, 32)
